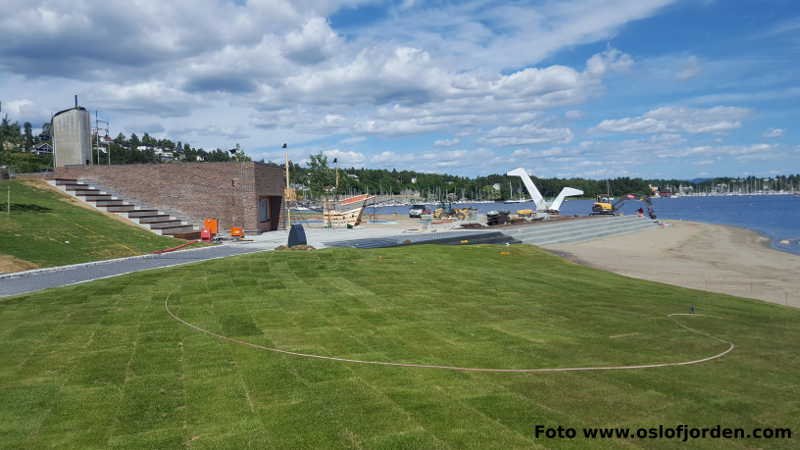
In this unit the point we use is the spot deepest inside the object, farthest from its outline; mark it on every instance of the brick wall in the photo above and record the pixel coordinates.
(228, 191)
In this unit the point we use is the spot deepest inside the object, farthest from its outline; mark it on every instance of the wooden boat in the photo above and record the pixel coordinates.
(346, 212)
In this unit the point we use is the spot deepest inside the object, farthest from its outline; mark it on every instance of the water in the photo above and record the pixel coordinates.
(774, 216)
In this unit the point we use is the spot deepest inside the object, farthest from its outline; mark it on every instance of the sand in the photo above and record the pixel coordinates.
(714, 258)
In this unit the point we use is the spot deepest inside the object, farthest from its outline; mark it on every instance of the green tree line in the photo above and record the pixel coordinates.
(17, 142)
(319, 175)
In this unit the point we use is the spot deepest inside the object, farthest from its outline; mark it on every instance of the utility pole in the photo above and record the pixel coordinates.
(286, 193)
(97, 135)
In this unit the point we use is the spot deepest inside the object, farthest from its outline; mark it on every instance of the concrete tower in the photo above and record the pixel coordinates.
(72, 137)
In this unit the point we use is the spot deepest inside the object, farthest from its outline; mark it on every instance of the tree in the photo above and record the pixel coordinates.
(45, 134)
(28, 135)
(490, 193)
(319, 176)
(239, 155)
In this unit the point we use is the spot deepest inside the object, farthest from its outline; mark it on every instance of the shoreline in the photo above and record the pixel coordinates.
(717, 258)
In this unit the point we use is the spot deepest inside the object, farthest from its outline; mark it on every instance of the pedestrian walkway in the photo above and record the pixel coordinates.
(35, 280)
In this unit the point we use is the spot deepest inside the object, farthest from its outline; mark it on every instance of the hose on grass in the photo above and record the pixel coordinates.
(172, 249)
(730, 348)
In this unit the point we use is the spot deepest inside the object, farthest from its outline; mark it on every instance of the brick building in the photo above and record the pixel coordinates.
(245, 194)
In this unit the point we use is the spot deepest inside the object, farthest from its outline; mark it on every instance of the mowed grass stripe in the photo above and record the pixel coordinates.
(146, 381)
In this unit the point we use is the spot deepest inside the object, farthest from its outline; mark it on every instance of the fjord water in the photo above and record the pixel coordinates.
(774, 216)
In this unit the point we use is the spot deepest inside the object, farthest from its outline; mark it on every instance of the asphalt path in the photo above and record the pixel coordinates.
(35, 280)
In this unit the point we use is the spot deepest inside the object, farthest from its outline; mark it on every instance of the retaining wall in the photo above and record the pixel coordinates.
(228, 191)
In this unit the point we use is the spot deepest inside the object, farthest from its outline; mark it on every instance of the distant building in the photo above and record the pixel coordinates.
(42, 149)
(72, 138)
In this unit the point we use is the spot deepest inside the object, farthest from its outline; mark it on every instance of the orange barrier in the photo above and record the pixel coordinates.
(212, 225)
(237, 232)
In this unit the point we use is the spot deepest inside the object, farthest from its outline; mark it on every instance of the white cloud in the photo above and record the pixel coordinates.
(463, 74)
(690, 68)
(774, 132)
(739, 151)
(345, 158)
(529, 134)
(446, 142)
(25, 110)
(353, 140)
(312, 44)
(611, 60)
(154, 98)
(671, 119)
(527, 153)
(574, 114)
(757, 96)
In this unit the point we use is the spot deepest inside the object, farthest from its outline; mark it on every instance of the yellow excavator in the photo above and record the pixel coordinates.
(604, 206)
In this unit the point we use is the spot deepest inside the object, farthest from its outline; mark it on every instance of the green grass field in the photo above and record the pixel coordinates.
(102, 365)
(44, 228)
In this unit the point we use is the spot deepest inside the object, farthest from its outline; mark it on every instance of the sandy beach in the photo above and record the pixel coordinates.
(715, 258)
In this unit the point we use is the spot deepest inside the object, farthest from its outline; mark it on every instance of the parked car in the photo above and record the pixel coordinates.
(418, 210)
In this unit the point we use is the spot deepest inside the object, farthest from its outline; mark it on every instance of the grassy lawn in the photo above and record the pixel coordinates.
(47, 228)
(102, 365)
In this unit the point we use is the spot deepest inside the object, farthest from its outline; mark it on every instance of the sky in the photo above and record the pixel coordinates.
(564, 88)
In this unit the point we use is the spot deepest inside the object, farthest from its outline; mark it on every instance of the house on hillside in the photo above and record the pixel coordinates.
(42, 149)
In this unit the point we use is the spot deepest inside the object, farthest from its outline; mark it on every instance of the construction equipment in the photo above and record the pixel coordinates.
(603, 205)
(445, 210)
(237, 232)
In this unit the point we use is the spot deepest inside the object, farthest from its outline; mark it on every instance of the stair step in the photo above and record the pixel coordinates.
(85, 192)
(77, 187)
(121, 208)
(157, 222)
(106, 203)
(578, 230)
(586, 237)
(156, 218)
(143, 213)
(165, 225)
(178, 230)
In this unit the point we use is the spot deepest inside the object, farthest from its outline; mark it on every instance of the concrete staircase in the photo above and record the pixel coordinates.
(147, 218)
(564, 232)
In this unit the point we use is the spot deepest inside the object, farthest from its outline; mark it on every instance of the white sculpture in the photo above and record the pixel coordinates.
(538, 200)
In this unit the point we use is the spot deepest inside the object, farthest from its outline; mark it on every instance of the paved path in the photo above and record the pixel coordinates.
(35, 280)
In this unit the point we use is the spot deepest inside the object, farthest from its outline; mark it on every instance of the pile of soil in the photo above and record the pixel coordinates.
(295, 248)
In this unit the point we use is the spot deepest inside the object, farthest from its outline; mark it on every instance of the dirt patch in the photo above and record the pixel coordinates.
(9, 264)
